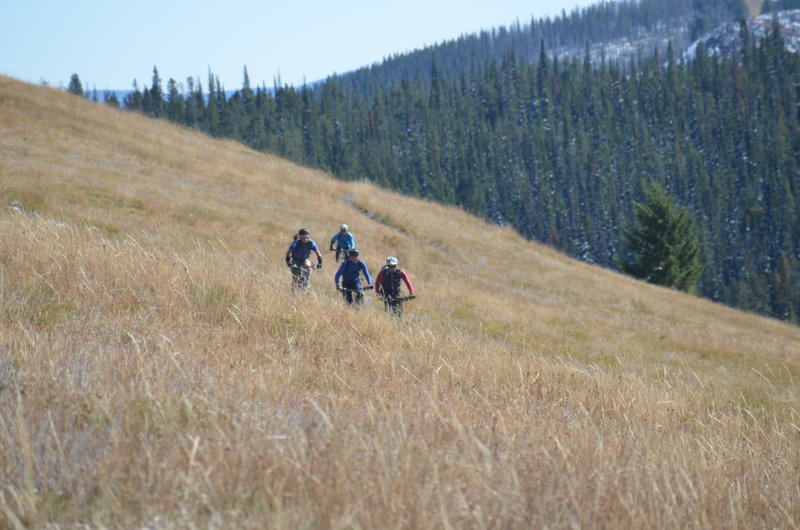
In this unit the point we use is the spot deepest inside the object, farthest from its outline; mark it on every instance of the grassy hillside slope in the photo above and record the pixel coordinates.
(156, 369)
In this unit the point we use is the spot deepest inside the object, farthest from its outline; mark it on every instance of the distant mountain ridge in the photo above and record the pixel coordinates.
(726, 39)
(628, 31)
(625, 31)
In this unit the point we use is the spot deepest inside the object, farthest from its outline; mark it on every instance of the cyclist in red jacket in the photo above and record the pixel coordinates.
(388, 284)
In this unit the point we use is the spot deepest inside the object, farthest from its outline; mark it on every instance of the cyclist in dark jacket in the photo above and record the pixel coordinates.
(388, 284)
(299, 254)
(350, 273)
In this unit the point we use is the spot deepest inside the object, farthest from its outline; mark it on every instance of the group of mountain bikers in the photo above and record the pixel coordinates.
(388, 283)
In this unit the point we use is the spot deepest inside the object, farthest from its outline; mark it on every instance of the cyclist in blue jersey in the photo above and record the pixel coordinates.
(299, 254)
(344, 241)
(350, 272)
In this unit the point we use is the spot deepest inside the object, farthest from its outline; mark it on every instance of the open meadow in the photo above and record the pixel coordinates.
(157, 371)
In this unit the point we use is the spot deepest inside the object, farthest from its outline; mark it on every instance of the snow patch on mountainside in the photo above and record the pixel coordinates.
(726, 39)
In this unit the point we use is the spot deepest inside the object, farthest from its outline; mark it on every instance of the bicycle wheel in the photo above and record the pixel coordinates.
(304, 281)
(301, 280)
(394, 308)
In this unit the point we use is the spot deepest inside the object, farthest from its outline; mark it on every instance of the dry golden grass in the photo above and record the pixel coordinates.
(156, 370)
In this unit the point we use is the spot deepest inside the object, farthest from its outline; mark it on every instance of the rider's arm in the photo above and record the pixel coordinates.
(352, 239)
(315, 248)
(339, 274)
(379, 284)
(366, 273)
(405, 278)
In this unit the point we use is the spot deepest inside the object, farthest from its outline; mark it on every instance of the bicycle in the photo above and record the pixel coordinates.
(301, 276)
(354, 295)
(341, 254)
(394, 305)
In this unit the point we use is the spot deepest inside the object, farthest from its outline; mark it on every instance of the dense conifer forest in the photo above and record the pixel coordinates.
(559, 148)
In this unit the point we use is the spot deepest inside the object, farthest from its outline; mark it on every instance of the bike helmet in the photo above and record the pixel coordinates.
(391, 260)
(344, 228)
(352, 252)
(303, 232)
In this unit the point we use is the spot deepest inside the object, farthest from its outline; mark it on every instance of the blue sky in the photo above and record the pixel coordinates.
(111, 43)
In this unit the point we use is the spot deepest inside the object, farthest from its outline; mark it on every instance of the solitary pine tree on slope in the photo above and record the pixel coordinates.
(75, 85)
(662, 246)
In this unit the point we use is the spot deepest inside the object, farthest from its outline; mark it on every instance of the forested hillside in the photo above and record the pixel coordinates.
(559, 148)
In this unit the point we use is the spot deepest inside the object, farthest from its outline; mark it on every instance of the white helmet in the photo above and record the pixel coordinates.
(344, 227)
(391, 260)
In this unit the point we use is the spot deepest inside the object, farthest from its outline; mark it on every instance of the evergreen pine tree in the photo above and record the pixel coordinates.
(156, 103)
(110, 99)
(662, 245)
(133, 99)
(75, 86)
(175, 102)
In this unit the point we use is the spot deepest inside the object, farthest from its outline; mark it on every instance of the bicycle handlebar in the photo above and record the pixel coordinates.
(348, 289)
(391, 299)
